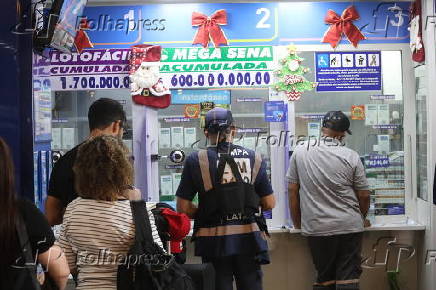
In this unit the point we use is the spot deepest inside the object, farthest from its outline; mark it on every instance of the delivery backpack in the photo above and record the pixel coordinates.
(221, 199)
(148, 266)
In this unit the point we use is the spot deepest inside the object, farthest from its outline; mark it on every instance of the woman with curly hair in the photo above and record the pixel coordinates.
(98, 229)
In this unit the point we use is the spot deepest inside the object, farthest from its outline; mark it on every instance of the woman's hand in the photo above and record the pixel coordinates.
(132, 194)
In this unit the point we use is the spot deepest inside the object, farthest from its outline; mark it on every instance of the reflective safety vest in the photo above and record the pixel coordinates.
(229, 197)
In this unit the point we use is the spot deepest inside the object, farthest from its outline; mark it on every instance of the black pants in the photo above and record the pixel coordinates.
(337, 260)
(243, 268)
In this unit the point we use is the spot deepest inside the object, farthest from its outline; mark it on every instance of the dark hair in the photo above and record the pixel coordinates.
(8, 207)
(102, 169)
(105, 111)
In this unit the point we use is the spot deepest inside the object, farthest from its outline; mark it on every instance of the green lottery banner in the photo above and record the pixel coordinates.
(190, 67)
(244, 66)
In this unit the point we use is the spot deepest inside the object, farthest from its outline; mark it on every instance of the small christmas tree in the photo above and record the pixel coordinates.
(291, 76)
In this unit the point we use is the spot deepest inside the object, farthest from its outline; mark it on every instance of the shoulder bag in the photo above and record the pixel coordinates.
(148, 266)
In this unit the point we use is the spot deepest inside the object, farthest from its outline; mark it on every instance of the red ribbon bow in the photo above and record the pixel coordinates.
(82, 41)
(208, 28)
(342, 24)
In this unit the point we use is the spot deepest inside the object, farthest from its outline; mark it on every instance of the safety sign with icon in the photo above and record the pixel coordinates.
(348, 71)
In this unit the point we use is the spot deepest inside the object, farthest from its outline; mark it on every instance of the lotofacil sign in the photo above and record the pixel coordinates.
(190, 67)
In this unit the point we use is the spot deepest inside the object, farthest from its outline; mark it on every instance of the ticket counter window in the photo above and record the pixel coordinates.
(181, 128)
(70, 116)
(377, 125)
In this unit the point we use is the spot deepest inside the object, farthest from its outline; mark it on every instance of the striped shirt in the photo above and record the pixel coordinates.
(96, 236)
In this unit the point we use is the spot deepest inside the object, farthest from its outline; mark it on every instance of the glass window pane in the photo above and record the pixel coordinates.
(379, 143)
(421, 131)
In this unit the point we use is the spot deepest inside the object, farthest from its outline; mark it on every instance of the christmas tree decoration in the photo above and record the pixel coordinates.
(291, 78)
(209, 28)
(342, 25)
(293, 96)
(293, 65)
(292, 49)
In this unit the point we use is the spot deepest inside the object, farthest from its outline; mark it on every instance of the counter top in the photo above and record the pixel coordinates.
(388, 226)
(409, 226)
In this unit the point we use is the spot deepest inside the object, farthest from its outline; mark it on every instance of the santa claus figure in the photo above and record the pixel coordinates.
(146, 84)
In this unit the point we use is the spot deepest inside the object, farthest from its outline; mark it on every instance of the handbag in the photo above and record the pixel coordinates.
(148, 266)
(30, 265)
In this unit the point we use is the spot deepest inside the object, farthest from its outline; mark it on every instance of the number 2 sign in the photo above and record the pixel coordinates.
(266, 14)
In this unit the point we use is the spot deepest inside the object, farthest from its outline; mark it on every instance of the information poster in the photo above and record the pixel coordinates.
(371, 113)
(204, 108)
(384, 143)
(56, 142)
(383, 114)
(377, 161)
(348, 71)
(358, 112)
(165, 138)
(166, 185)
(190, 136)
(42, 109)
(192, 111)
(275, 111)
(68, 135)
(176, 137)
(176, 181)
(313, 129)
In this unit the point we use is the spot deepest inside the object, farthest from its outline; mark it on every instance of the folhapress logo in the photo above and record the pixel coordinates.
(389, 254)
(131, 21)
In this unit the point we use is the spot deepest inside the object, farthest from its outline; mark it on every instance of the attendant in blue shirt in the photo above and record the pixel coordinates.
(235, 245)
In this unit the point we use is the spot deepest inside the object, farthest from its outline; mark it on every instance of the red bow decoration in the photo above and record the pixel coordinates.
(82, 41)
(208, 28)
(342, 24)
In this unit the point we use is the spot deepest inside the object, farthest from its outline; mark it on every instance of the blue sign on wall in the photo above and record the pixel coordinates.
(221, 97)
(377, 161)
(348, 71)
(169, 25)
(275, 111)
(380, 22)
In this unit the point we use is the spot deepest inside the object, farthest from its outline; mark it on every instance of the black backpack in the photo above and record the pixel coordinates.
(148, 267)
(162, 229)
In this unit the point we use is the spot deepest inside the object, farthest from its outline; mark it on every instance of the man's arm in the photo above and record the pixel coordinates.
(54, 210)
(364, 200)
(187, 207)
(360, 186)
(294, 204)
(268, 202)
